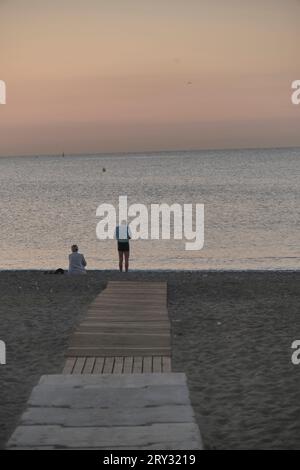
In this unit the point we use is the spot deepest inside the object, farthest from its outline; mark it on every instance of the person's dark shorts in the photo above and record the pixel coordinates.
(123, 246)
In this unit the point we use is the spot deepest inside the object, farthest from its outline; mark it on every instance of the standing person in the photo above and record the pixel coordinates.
(77, 262)
(123, 235)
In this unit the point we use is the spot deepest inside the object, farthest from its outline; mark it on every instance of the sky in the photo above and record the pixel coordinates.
(94, 76)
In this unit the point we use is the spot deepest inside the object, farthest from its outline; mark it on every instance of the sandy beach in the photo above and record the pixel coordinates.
(231, 335)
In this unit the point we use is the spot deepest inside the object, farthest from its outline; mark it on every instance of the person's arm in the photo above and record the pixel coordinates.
(84, 263)
(129, 233)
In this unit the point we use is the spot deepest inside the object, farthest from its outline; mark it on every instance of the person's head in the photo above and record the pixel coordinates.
(59, 271)
(74, 248)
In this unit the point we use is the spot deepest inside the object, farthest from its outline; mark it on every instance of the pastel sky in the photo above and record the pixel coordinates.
(136, 75)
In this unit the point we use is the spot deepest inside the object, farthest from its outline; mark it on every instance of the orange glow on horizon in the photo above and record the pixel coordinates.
(129, 75)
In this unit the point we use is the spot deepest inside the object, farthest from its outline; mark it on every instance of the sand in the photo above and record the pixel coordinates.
(231, 334)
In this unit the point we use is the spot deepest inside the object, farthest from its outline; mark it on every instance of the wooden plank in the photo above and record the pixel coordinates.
(122, 307)
(129, 319)
(99, 364)
(83, 396)
(114, 351)
(89, 365)
(133, 286)
(79, 365)
(160, 436)
(128, 315)
(107, 316)
(118, 301)
(139, 283)
(119, 340)
(108, 365)
(115, 328)
(124, 297)
(147, 364)
(122, 415)
(120, 298)
(123, 326)
(160, 325)
(131, 297)
(113, 381)
(125, 332)
(137, 288)
(129, 310)
(128, 365)
(69, 365)
(135, 300)
(166, 364)
(135, 296)
(137, 364)
(159, 284)
(131, 289)
(118, 365)
(119, 334)
(143, 306)
(157, 363)
(134, 293)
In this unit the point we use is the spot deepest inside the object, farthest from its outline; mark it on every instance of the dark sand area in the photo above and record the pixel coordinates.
(231, 333)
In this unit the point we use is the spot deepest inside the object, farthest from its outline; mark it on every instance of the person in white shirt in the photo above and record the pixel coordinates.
(123, 235)
(77, 262)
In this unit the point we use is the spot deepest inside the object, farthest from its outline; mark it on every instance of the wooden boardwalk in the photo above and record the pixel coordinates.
(116, 390)
(117, 365)
(144, 411)
(126, 330)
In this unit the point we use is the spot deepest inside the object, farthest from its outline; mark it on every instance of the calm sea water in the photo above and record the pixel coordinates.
(251, 200)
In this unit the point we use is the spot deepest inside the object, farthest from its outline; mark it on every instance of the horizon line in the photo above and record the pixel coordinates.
(153, 152)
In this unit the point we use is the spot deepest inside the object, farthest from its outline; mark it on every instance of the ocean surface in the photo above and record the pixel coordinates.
(251, 200)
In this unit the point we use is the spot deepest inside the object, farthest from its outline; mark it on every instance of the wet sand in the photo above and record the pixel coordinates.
(231, 334)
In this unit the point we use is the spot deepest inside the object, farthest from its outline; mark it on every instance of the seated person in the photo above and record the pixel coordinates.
(77, 262)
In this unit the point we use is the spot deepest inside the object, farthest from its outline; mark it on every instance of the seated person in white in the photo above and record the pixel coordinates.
(77, 262)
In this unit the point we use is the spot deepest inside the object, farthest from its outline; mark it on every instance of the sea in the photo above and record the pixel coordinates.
(251, 204)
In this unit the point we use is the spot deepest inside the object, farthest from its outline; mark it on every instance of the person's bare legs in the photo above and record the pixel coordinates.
(126, 254)
(121, 261)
